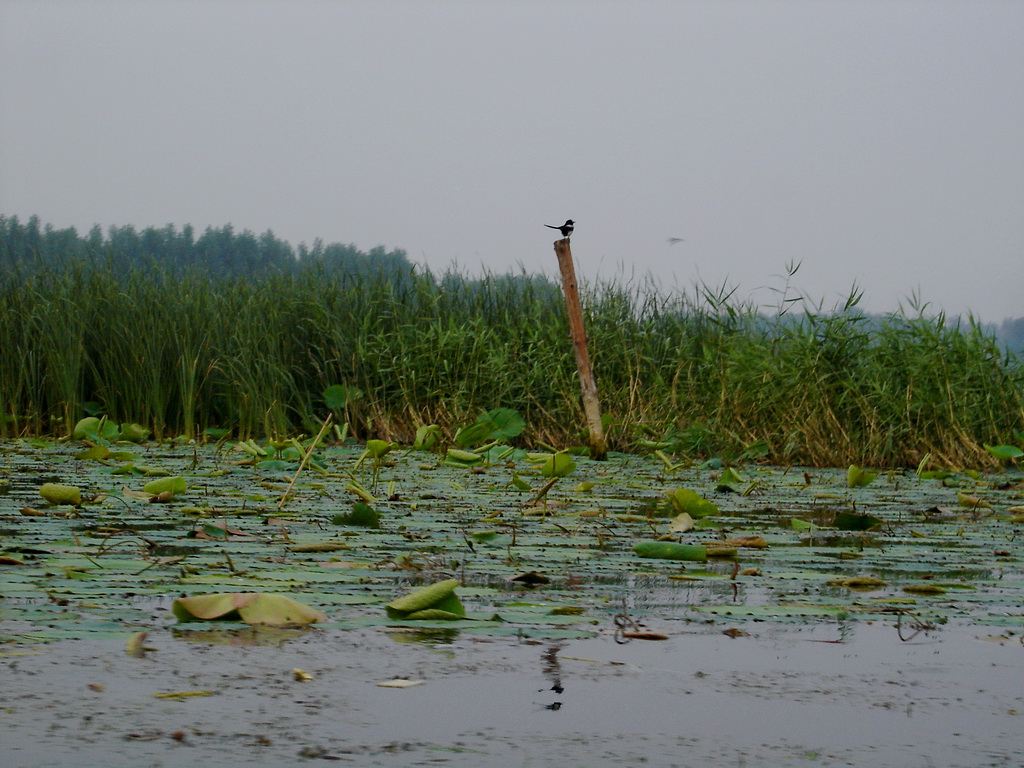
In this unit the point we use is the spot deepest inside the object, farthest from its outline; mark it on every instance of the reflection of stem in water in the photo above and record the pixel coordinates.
(624, 621)
(552, 670)
(918, 626)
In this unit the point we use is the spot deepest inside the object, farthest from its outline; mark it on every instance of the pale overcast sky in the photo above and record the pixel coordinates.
(878, 142)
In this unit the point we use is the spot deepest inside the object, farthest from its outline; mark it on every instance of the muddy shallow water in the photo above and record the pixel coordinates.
(776, 696)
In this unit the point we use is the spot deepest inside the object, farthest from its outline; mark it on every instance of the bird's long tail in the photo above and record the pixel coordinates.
(548, 225)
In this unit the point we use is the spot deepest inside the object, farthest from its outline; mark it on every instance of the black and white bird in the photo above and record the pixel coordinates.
(565, 229)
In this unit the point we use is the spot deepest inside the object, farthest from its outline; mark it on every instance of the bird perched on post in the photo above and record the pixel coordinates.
(565, 229)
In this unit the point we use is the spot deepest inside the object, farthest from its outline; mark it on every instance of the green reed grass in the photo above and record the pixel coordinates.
(185, 353)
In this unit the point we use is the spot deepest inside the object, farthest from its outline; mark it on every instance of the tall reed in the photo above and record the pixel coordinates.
(185, 352)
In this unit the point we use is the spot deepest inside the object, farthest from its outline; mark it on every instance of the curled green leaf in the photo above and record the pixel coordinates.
(61, 494)
(438, 597)
(250, 607)
(670, 550)
(172, 485)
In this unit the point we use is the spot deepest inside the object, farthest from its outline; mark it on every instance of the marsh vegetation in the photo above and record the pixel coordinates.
(183, 353)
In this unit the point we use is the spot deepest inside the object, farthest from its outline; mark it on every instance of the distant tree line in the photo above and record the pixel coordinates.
(31, 247)
(1011, 334)
(28, 248)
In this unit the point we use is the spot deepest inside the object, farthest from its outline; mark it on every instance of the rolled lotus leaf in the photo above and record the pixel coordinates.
(427, 438)
(857, 477)
(463, 457)
(670, 550)
(250, 607)
(86, 426)
(94, 428)
(377, 449)
(691, 502)
(721, 552)
(429, 602)
(61, 494)
(1005, 452)
(174, 485)
(433, 614)
(133, 433)
(557, 465)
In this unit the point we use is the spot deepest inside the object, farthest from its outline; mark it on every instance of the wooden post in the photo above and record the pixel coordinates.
(591, 406)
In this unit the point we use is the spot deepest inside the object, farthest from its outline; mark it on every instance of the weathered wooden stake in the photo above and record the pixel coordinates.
(591, 406)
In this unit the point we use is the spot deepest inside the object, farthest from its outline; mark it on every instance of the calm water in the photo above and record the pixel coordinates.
(778, 696)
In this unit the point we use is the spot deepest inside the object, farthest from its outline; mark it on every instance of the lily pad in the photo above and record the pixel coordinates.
(670, 550)
(853, 521)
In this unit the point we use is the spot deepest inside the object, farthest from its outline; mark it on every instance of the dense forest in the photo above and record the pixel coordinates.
(233, 331)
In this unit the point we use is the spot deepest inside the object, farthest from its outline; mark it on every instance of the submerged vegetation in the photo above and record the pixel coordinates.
(180, 350)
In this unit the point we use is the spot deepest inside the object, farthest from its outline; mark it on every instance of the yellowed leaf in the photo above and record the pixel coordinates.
(681, 523)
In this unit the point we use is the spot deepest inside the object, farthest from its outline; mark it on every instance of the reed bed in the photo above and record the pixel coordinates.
(183, 353)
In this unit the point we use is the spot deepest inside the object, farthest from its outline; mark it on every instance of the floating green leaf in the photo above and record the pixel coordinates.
(338, 396)
(362, 515)
(853, 521)
(803, 525)
(507, 423)
(276, 465)
(97, 429)
(774, 611)
(428, 437)
(250, 607)
(455, 457)
(519, 483)
(133, 433)
(499, 424)
(85, 427)
(377, 449)
(691, 502)
(61, 494)
(95, 453)
(558, 465)
(670, 550)
(170, 485)
(856, 477)
(472, 434)
(729, 480)
(971, 501)
(437, 601)
(1005, 452)
(857, 582)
